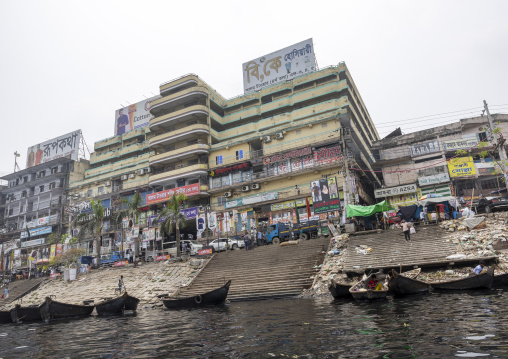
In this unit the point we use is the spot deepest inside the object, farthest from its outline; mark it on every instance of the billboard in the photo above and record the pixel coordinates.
(279, 66)
(325, 195)
(133, 116)
(425, 148)
(163, 196)
(63, 146)
(395, 191)
(461, 167)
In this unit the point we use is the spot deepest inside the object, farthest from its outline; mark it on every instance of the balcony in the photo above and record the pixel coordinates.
(132, 148)
(107, 142)
(188, 171)
(180, 153)
(181, 83)
(179, 98)
(172, 118)
(134, 133)
(94, 158)
(178, 135)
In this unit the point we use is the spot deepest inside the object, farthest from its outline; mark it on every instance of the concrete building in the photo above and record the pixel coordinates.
(421, 162)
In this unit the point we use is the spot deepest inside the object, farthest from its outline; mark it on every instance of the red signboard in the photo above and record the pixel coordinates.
(205, 251)
(225, 170)
(287, 155)
(162, 258)
(54, 275)
(120, 264)
(164, 196)
(323, 156)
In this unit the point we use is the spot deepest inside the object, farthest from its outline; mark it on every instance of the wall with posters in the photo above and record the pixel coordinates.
(133, 116)
(325, 195)
(63, 146)
(279, 66)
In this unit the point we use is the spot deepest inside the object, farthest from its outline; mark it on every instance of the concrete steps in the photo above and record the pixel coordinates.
(266, 272)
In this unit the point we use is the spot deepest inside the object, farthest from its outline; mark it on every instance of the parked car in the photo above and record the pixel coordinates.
(194, 246)
(234, 243)
(481, 205)
(497, 204)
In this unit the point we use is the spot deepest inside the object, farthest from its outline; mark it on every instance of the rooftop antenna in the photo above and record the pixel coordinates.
(83, 148)
(16, 166)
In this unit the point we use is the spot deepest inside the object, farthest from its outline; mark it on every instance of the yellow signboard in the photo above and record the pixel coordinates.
(461, 167)
(52, 251)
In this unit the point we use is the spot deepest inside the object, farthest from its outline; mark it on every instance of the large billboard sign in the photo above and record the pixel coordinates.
(133, 116)
(163, 196)
(63, 146)
(279, 66)
(325, 195)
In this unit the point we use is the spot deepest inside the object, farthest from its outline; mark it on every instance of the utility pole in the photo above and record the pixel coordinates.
(347, 195)
(499, 143)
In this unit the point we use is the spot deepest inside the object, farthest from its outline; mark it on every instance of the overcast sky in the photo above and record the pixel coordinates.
(68, 65)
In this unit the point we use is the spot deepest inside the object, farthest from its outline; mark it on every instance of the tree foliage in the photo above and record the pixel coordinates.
(133, 212)
(68, 257)
(172, 217)
(92, 224)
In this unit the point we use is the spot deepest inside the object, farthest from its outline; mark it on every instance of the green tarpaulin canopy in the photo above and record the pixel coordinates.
(365, 211)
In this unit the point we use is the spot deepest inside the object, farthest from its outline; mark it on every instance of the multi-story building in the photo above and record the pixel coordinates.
(262, 150)
(423, 162)
(35, 198)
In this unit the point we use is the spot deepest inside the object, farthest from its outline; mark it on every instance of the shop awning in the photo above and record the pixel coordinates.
(436, 200)
(364, 211)
(42, 261)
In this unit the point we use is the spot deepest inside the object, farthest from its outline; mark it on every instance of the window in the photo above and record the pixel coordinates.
(323, 125)
(54, 170)
(52, 185)
(246, 176)
(41, 188)
(298, 132)
(239, 154)
(22, 209)
(23, 194)
(101, 189)
(89, 193)
(25, 179)
(216, 182)
(221, 201)
(237, 177)
(42, 174)
(218, 160)
(226, 181)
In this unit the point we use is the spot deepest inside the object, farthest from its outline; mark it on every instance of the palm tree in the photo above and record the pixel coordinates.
(92, 223)
(172, 217)
(132, 211)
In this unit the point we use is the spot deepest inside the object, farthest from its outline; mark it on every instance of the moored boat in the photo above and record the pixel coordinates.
(26, 314)
(360, 290)
(500, 280)
(339, 290)
(5, 317)
(117, 305)
(51, 309)
(482, 280)
(405, 283)
(214, 297)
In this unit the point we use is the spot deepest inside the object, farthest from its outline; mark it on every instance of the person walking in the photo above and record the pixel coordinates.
(120, 284)
(6, 292)
(246, 240)
(405, 229)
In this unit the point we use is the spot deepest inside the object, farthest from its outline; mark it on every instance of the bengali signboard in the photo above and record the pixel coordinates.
(425, 148)
(462, 144)
(261, 197)
(434, 179)
(133, 116)
(461, 167)
(162, 258)
(487, 168)
(327, 155)
(63, 146)
(33, 242)
(285, 156)
(288, 205)
(395, 191)
(279, 66)
(120, 263)
(325, 195)
(206, 250)
(37, 231)
(163, 196)
(230, 169)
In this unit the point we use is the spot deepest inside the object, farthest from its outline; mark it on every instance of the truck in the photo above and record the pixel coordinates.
(107, 260)
(280, 232)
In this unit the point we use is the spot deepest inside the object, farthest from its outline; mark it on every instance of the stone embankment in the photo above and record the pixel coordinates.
(488, 238)
(145, 282)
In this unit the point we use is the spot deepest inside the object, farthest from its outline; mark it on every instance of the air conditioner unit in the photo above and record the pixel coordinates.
(180, 166)
(141, 172)
(132, 175)
(107, 183)
(255, 186)
(279, 135)
(267, 138)
(147, 170)
(228, 194)
(245, 188)
(123, 178)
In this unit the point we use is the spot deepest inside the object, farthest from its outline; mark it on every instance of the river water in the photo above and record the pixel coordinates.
(429, 326)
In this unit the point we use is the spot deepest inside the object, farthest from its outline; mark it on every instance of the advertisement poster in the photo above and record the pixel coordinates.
(212, 220)
(133, 116)
(325, 195)
(63, 146)
(461, 167)
(164, 196)
(59, 249)
(52, 251)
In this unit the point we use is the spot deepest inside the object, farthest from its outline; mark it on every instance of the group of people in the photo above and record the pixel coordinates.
(256, 238)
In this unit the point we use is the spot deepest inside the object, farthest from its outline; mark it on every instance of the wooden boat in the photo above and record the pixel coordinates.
(483, 280)
(52, 309)
(359, 291)
(500, 280)
(26, 314)
(339, 290)
(405, 283)
(214, 297)
(117, 305)
(5, 317)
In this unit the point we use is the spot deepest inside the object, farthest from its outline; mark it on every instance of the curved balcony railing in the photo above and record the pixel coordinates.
(179, 173)
(179, 152)
(181, 96)
(178, 116)
(178, 135)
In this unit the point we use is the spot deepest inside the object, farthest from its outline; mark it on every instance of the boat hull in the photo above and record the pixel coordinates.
(474, 282)
(56, 310)
(401, 285)
(368, 294)
(339, 290)
(214, 297)
(500, 280)
(25, 314)
(117, 305)
(131, 303)
(5, 317)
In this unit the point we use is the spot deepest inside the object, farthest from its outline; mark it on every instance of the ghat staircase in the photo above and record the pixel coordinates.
(270, 271)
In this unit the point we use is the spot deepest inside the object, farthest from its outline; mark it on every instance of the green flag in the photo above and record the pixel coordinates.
(297, 214)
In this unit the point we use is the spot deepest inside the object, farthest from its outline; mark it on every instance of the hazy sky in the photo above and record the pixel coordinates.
(68, 65)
